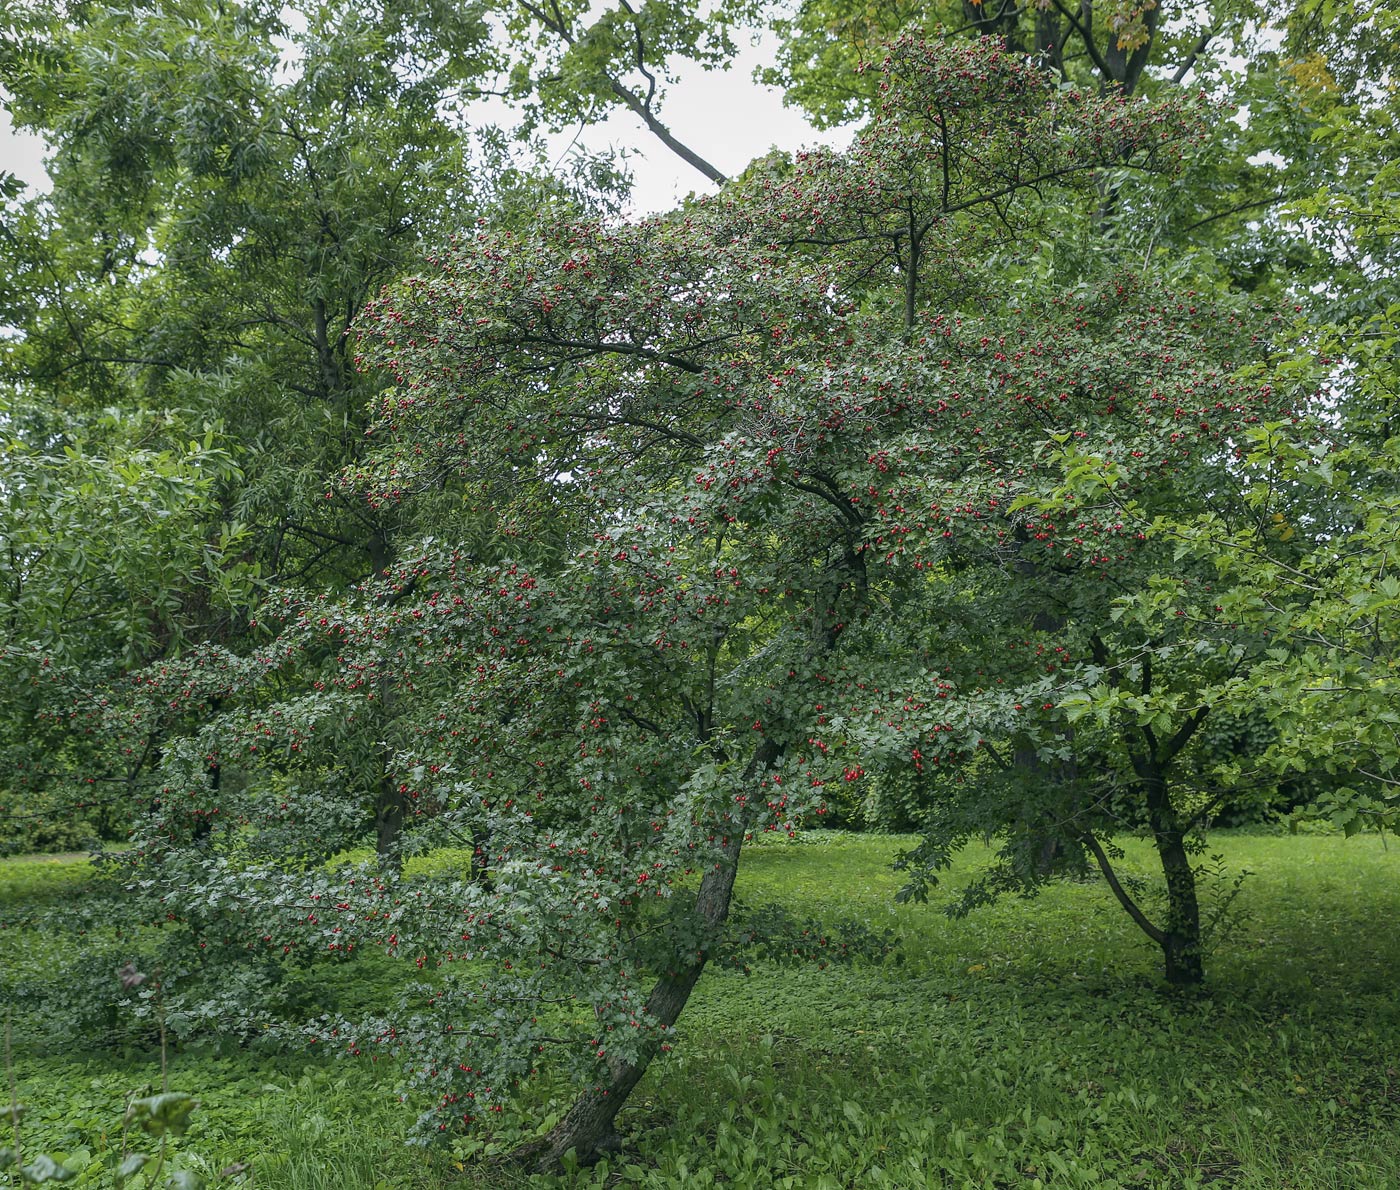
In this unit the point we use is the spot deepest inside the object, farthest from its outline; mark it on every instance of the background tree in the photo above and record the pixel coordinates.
(113, 555)
(574, 62)
(1327, 597)
(231, 183)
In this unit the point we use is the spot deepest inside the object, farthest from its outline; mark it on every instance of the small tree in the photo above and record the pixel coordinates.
(1095, 639)
(664, 617)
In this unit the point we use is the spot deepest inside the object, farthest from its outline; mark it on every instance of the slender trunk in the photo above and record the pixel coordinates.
(1125, 66)
(1025, 757)
(587, 1127)
(1181, 933)
(388, 820)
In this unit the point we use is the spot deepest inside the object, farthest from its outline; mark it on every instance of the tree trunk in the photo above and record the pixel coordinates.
(390, 806)
(587, 1127)
(1025, 757)
(1181, 933)
(388, 819)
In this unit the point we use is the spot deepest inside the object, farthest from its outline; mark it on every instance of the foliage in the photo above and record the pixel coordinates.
(659, 621)
(887, 483)
(110, 523)
(1315, 569)
(231, 183)
(828, 52)
(574, 61)
(160, 1116)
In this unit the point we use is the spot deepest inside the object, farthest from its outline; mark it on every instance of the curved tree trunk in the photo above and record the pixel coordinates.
(587, 1127)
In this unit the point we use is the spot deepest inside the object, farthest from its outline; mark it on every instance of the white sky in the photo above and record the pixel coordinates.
(21, 154)
(725, 117)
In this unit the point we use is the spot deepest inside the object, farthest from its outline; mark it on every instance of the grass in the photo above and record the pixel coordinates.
(1031, 1044)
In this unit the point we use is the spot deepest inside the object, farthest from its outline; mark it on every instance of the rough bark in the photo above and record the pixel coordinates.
(388, 820)
(1025, 758)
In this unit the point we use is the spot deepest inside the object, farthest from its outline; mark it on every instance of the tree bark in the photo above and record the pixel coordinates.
(587, 1127)
(1025, 757)
(388, 820)
(1181, 933)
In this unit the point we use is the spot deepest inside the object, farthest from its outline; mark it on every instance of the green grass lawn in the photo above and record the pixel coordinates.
(1029, 1044)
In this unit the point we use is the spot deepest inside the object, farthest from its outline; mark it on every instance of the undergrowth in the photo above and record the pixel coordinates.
(1030, 1044)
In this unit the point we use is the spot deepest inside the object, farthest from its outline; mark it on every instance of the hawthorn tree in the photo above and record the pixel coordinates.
(703, 463)
(231, 182)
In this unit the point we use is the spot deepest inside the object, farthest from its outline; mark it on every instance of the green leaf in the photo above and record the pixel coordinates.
(162, 1114)
(131, 1165)
(45, 1169)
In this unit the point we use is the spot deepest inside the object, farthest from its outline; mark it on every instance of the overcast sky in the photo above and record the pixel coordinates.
(20, 154)
(725, 117)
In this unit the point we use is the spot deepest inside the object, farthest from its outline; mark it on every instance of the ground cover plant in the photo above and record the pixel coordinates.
(1028, 1042)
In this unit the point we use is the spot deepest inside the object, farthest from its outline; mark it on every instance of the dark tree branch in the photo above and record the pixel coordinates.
(1185, 732)
(1196, 51)
(1120, 892)
(1256, 204)
(600, 348)
(555, 22)
(1086, 36)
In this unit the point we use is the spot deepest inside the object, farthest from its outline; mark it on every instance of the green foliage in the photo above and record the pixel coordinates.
(231, 183)
(159, 1116)
(660, 620)
(885, 487)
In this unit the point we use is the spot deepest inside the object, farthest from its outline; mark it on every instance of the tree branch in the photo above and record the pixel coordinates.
(1119, 891)
(554, 21)
(1199, 48)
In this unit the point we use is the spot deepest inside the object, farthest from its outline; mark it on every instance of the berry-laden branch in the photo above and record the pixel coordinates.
(716, 496)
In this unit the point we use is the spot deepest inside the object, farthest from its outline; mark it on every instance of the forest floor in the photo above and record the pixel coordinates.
(1030, 1044)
